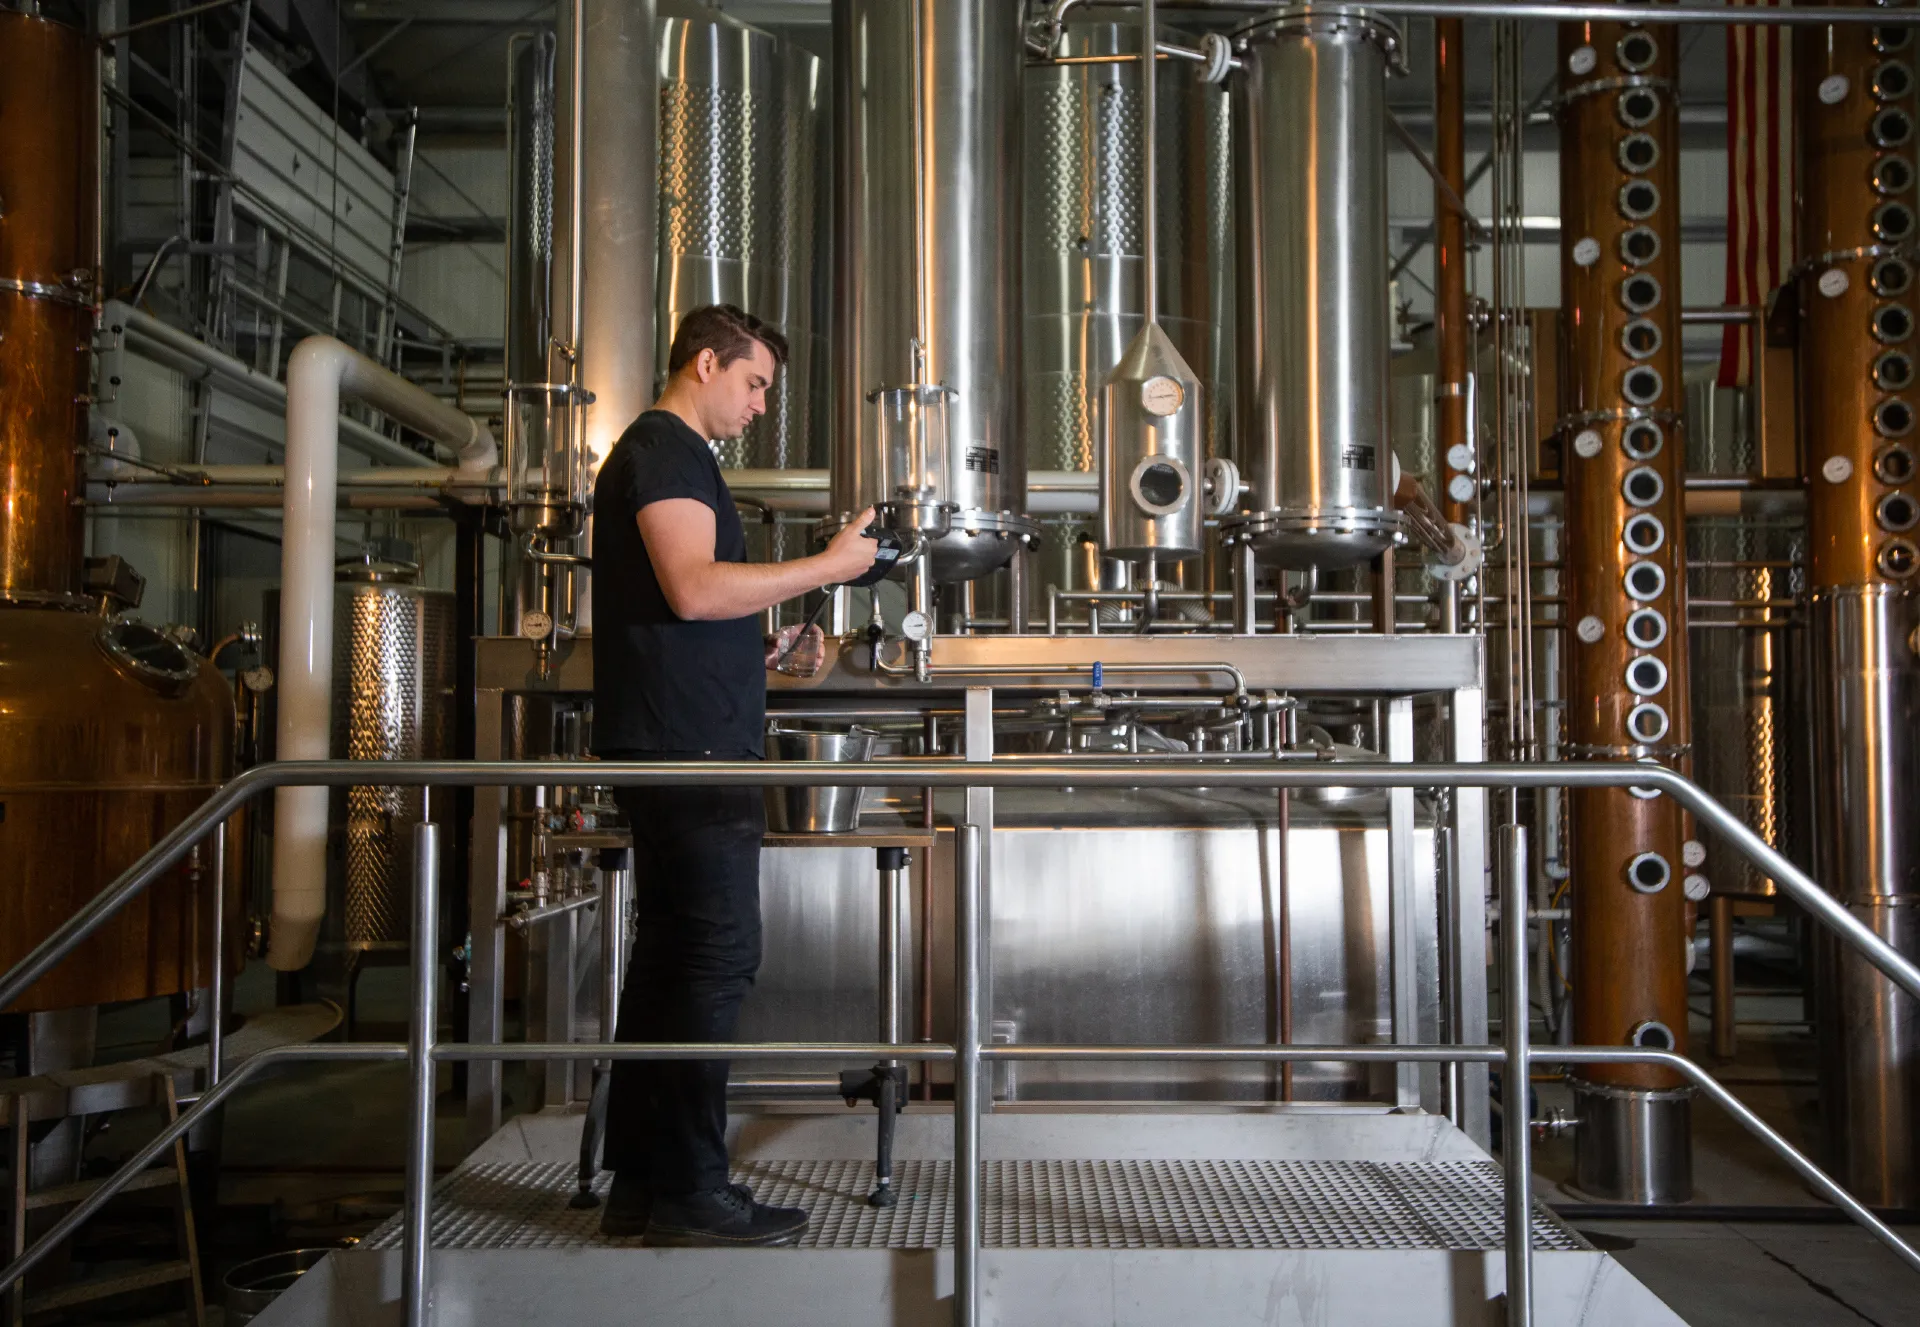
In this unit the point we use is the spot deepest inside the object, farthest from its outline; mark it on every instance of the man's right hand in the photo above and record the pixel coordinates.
(850, 552)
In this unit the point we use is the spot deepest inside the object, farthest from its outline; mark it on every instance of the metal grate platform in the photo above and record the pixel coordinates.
(1068, 1204)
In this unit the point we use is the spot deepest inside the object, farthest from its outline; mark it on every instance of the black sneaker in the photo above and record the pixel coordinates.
(723, 1218)
(629, 1206)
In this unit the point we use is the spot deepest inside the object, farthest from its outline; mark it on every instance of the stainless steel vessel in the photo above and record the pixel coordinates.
(1309, 142)
(927, 256)
(393, 675)
(1152, 481)
(1084, 235)
(739, 129)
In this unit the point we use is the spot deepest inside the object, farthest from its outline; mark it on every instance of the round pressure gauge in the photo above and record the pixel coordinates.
(1162, 396)
(1836, 469)
(915, 626)
(1833, 89)
(1582, 61)
(1832, 283)
(536, 625)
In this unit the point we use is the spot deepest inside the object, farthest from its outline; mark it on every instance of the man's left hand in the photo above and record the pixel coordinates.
(805, 654)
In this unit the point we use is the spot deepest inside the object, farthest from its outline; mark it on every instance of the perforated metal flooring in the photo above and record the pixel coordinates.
(1066, 1204)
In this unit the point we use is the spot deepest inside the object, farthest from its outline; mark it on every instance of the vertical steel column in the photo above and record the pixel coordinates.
(420, 1038)
(1246, 590)
(1402, 941)
(1468, 909)
(969, 932)
(979, 747)
(1516, 1135)
(217, 978)
(486, 941)
(890, 877)
(613, 937)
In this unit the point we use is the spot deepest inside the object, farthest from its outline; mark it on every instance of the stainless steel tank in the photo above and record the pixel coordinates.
(927, 251)
(1309, 143)
(1084, 235)
(739, 126)
(393, 676)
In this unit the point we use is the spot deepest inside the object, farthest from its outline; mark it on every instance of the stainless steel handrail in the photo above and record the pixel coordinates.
(952, 773)
(969, 1055)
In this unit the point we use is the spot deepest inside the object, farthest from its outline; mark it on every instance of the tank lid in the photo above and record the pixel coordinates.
(1328, 18)
(366, 569)
(149, 655)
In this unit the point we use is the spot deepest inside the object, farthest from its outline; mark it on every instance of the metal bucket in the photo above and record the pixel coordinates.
(816, 810)
(248, 1289)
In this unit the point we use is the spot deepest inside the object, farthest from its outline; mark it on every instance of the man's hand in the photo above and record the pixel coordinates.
(851, 552)
(797, 651)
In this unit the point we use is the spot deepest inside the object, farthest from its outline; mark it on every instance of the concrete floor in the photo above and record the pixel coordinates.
(313, 1156)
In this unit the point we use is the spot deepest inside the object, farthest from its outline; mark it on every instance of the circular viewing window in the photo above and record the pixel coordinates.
(1892, 371)
(1892, 222)
(1647, 722)
(1643, 486)
(1642, 439)
(1640, 246)
(1642, 385)
(1640, 338)
(1890, 81)
(1892, 322)
(1639, 199)
(149, 655)
(1646, 628)
(1637, 153)
(1160, 485)
(1890, 277)
(1649, 873)
(1893, 464)
(1897, 512)
(1637, 107)
(1893, 418)
(1897, 559)
(1645, 580)
(1892, 38)
(1646, 676)
(1639, 292)
(1652, 1036)
(1892, 175)
(1643, 533)
(1636, 52)
(1890, 127)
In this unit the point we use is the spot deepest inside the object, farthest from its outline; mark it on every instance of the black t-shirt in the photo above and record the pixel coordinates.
(662, 683)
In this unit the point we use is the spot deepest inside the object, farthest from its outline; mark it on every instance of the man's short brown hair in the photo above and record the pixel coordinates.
(728, 331)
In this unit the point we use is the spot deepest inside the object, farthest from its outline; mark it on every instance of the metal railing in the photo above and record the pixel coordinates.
(423, 1053)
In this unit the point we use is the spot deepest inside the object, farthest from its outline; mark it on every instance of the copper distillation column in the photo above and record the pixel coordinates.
(1450, 332)
(1621, 431)
(110, 731)
(1856, 117)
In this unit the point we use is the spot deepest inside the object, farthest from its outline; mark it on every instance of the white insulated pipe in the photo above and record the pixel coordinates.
(320, 373)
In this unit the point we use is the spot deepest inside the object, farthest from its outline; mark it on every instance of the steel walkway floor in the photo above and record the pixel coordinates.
(1061, 1204)
(1346, 1217)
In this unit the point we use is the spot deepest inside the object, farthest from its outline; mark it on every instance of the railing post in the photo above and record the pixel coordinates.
(217, 979)
(1516, 1013)
(420, 1067)
(966, 1077)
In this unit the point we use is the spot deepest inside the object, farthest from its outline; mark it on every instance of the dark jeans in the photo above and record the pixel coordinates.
(696, 899)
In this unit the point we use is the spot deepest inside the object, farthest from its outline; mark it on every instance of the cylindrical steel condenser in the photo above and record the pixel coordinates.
(739, 126)
(1315, 337)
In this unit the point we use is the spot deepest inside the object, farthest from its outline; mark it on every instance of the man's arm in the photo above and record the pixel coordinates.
(678, 533)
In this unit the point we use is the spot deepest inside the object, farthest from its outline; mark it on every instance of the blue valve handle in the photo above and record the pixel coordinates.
(1096, 675)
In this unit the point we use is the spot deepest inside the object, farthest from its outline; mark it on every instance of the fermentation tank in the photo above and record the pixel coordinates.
(1315, 347)
(739, 129)
(110, 731)
(1857, 292)
(393, 655)
(927, 264)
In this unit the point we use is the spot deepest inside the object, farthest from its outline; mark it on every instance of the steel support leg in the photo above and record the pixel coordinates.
(426, 986)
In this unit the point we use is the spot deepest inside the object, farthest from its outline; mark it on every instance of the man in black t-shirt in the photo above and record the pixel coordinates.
(679, 674)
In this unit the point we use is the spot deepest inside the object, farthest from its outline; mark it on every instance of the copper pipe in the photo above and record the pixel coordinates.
(1720, 936)
(1450, 333)
(48, 282)
(1838, 304)
(1627, 942)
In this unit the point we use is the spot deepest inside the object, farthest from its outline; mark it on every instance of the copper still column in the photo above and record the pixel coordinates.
(110, 732)
(1450, 272)
(1854, 93)
(1627, 674)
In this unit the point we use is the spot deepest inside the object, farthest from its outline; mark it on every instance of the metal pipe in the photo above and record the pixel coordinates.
(966, 1078)
(1536, 11)
(521, 921)
(1515, 1091)
(217, 980)
(1149, 168)
(1720, 932)
(999, 773)
(424, 1028)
